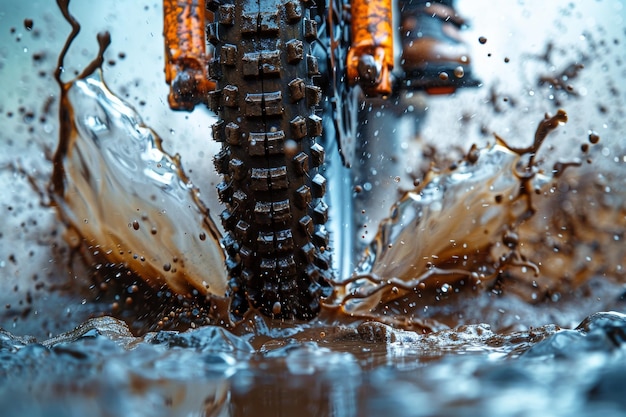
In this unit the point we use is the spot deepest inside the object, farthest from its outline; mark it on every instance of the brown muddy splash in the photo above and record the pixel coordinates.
(124, 195)
(491, 219)
(127, 204)
(494, 218)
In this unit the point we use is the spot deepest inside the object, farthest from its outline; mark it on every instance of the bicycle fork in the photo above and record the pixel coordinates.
(370, 58)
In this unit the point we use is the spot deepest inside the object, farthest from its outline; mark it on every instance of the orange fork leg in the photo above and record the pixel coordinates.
(186, 53)
(370, 58)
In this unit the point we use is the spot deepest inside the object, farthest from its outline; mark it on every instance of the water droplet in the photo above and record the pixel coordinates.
(291, 147)
(276, 308)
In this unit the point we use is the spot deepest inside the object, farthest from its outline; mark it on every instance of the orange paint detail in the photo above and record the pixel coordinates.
(372, 34)
(186, 52)
(442, 90)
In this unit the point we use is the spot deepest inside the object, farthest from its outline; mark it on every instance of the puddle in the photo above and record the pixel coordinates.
(102, 369)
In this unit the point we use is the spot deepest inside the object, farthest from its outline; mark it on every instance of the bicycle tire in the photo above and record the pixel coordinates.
(276, 243)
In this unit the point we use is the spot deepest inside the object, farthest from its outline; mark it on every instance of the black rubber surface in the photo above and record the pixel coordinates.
(266, 102)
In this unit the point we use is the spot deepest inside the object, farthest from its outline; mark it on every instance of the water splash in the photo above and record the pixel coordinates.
(460, 224)
(130, 205)
(133, 207)
(127, 201)
(368, 369)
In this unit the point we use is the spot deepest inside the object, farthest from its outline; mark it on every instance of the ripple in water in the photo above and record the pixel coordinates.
(101, 369)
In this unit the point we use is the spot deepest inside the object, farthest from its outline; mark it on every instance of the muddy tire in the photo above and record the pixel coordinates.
(266, 100)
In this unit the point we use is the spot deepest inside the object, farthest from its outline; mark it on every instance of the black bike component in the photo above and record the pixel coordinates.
(344, 100)
(265, 98)
(423, 26)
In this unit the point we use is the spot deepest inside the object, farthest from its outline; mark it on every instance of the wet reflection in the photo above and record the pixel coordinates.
(102, 369)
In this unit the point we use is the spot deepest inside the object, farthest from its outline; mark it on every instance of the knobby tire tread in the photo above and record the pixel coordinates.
(276, 241)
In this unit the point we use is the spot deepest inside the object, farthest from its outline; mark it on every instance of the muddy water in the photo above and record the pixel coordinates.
(102, 369)
(502, 236)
